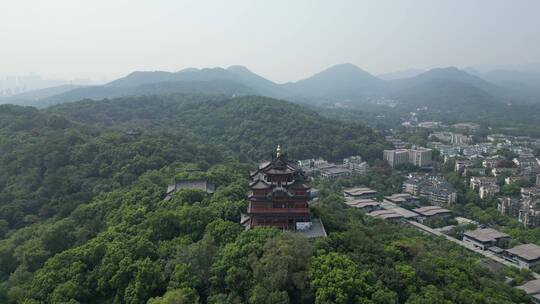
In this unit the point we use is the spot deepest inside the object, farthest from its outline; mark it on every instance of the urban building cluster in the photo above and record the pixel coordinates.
(486, 186)
(396, 142)
(465, 148)
(452, 138)
(412, 125)
(406, 207)
(434, 188)
(488, 167)
(481, 166)
(396, 207)
(456, 141)
(522, 170)
(526, 207)
(511, 140)
(331, 171)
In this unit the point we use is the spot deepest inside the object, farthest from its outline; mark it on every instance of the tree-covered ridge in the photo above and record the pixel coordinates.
(249, 126)
(53, 160)
(49, 165)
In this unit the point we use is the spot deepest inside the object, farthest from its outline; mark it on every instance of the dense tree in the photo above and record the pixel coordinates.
(337, 279)
(510, 189)
(177, 296)
(249, 126)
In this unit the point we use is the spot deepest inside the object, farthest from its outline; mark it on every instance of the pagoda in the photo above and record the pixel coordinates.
(278, 195)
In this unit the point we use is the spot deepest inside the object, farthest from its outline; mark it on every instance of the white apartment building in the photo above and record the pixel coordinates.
(418, 156)
(396, 157)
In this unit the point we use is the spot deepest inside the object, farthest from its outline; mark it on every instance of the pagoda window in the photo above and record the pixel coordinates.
(261, 192)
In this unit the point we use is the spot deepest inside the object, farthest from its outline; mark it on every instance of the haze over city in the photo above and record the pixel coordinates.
(281, 40)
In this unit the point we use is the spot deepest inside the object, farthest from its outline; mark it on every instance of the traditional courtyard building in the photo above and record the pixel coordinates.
(279, 196)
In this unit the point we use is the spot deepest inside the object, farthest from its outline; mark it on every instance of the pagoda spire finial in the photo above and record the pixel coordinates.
(278, 151)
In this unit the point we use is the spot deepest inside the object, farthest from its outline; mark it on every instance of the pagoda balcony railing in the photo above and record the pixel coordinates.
(257, 195)
(262, 210)
(281, 225)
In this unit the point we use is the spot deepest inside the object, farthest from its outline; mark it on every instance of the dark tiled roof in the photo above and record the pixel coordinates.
(485, 235)
(197, 184)
(259, 184)
(529, 252)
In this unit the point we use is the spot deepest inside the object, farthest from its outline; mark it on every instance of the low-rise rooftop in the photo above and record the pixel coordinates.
(465, 221)
(363, 203)
(431, 210)
(401, 211)
(196, 184)
(336, 170)
(531, 287)
(485, 235)
(385, 214)
(358, 191)
(528, 252)
(401, 197)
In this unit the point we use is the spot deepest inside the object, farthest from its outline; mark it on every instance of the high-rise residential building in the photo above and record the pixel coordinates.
(420, 157)
(396, 157)
(457, 138)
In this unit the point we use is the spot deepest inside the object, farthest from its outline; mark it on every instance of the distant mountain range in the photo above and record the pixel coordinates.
(344, 83)
(401, 74)
(526, 80)
(340, 82)
(39, 97)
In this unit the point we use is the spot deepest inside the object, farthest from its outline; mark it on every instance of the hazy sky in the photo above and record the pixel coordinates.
(281, 40)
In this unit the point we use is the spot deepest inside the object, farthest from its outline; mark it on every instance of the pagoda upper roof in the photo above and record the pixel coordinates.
(278, 165)
(259, 184)
(298, 184)
(280, 171)
(264, 164)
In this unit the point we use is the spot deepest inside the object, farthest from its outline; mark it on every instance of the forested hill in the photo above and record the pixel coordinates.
(83, 220)
(49, 165)
(249, 126)
(53, 160)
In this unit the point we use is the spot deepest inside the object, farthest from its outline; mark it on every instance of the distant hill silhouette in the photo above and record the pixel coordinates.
(237, 74)
(443, 74)
(31, 98)
(339, 83)
(222, 87)
(401, 74)
(342, 81)
(518, 82)
(447, 95)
